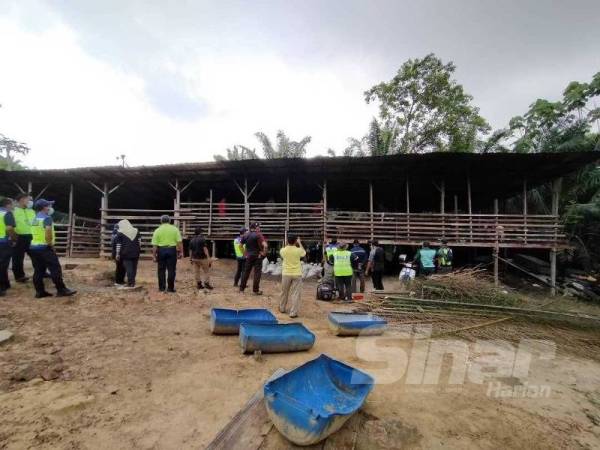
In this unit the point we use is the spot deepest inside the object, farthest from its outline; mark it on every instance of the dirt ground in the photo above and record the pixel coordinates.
(140, 370)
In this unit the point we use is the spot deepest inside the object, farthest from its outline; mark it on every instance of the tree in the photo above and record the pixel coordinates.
(285, 148)
(9, 149)
(237, 153)
(424, 109)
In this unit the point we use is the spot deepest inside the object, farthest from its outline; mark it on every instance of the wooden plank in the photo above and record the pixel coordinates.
(247, 429)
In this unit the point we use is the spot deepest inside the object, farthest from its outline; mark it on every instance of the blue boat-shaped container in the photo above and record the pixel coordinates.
(354, 324)
(275, 338)
(228, 321)
(314, 400)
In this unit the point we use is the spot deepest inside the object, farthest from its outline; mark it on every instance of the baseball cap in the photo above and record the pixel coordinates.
(242, 230)
(42, 203)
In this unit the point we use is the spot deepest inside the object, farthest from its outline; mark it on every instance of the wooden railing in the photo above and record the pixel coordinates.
(474, 230)
(310, 222)
(79, 238)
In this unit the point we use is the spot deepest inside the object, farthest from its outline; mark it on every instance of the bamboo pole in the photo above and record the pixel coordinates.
(371, 209)
(210, 212)
(324, 215)
(470, 207)
(246, 205)
(103, 221)
(407, 208)
(556, 188)
(70, 229)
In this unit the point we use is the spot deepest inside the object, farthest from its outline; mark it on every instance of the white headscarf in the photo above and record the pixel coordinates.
(127, 229)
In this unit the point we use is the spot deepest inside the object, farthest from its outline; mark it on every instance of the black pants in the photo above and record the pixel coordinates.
(240, 270)
(252, 262)
(5, 254)
(18, 255)
(344, 287)
(426, 271)
(119, 272)
(46, 260)
(130, 266)
(167, 266)
(377, 277)
(358, 277)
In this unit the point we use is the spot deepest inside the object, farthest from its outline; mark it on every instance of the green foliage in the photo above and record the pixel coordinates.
(9, 150)
(284, 148)
(424, 109)
(237, 153)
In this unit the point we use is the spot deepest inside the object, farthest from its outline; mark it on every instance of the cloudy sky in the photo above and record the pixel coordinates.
(82, 81)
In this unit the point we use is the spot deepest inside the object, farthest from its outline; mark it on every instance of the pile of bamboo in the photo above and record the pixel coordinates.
(470, 285)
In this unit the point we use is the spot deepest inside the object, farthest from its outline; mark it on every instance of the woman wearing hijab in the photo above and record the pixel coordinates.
(127, 250)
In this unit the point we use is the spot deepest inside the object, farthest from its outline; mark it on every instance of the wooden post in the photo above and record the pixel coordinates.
(246, 205)
(456, 215)
(324, 215)
(287, 208)
(443, 206)
(103, 214)
(556, 188)
(525, 210)
(470, 208)
(497, 245)
(407, 209)
(30, 188)
(371, 208)
(496, 269)
(214, 249)
(210, 212)
(70, 229)
(176, 203)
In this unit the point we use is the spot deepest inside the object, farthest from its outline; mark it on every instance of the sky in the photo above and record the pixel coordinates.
(83, 81)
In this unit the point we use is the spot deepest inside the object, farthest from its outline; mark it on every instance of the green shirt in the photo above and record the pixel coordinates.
(166, 235)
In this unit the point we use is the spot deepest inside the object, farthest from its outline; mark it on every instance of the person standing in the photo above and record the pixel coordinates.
(444, 257)
(42, 252)
(24, 215)
(375, 265)
(119, 268)
(359, 260)
(256, 250)
(127, 251)
(331, 248)
(342, 270)
(200, 259)
(7, 240)
(291, 276)
(167, 248)
(425, 258)
(240, 250)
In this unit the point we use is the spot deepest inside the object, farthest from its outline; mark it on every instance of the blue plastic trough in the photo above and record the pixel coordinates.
(354, 324)
(228, 321)
(276, 338)
(314, 400)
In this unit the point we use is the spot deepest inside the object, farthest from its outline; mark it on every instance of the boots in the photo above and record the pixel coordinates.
(43, 294)
(65, 292)
(199, 285)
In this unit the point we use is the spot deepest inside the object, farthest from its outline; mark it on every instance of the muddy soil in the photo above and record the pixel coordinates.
(140, 370)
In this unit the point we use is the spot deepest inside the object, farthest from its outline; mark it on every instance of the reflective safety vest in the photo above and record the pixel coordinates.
(238, 247)
(445, 257)
(3, 236)
(330, 250)
(38, 231)
(23, 219)
(342, 267)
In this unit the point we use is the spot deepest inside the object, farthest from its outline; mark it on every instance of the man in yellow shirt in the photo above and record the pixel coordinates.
(167, 248)
(291, 275)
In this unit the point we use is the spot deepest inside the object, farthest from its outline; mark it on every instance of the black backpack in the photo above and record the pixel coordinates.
(325, 292)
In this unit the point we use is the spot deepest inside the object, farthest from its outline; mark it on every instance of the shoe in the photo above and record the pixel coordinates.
(2, 293)
(128, 287)
(66, 292)
(171, 291)
(258, 293)
(162, 290)
(22, 280)
(293, 316)
(208, 286)
(43, 294)
(118, 285)
(235, 285)
(199, 285)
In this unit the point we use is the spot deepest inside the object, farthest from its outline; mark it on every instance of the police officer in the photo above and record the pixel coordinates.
(167, 248)
(7, 238)
(331, 248)
(240, 256)
(24, 215)
(42, 251)
(342, 270)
